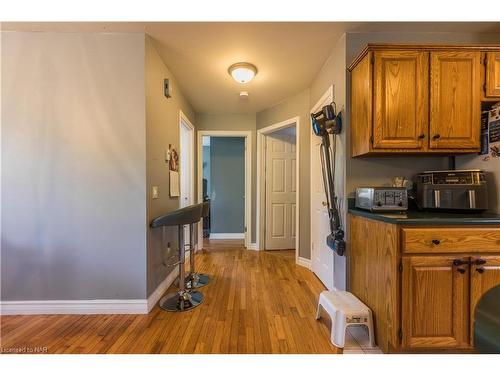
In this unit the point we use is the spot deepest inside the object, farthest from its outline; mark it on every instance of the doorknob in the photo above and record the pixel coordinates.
(324, 203)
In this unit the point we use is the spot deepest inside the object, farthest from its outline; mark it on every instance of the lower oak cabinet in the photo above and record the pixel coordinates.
(435, 302)
(421, 301)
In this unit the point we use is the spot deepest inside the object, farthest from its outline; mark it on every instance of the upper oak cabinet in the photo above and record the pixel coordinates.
(455, 109)
(419, 99)
(400, 99)
(492, 84)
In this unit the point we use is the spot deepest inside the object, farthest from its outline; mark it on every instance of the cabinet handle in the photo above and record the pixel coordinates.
(461, 270)
(437, 136)
(480, 269)
(460, 262)
(421, 136)
(479, 262)
(436, 242)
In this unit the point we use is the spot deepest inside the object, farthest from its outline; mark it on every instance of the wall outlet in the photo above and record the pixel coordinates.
(155, 192)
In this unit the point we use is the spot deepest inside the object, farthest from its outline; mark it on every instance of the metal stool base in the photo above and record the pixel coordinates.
(177, 301)
(197, 280)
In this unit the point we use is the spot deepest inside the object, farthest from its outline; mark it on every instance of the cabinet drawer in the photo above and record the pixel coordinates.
(450, 240)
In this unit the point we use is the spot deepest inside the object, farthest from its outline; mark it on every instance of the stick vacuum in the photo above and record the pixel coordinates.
(325, 123)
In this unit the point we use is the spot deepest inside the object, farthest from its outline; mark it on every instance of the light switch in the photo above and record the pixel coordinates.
(155, 192)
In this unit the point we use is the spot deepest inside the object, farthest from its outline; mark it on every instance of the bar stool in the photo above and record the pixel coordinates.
(184, 299)
(196, 280)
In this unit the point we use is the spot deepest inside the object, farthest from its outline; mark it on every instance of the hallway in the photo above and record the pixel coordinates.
(258, 302)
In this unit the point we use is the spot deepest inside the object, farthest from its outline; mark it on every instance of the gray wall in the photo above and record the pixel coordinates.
(162, 129)
(297, 105)
(73, 166)
(227, 205)
(235, 121)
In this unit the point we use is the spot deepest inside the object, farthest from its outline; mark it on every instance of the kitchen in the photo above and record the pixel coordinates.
(424, 252)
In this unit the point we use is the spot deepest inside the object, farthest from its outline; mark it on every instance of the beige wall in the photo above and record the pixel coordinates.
(297, 105)
(162, 129)
(235, 121)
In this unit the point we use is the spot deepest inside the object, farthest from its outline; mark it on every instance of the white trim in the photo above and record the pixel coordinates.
(184, 119)
(248, 175)
(261, 133)
(227, 236)
(253, 246)
(90, 307)
(327, 97)
(304, 262)
(96, 306)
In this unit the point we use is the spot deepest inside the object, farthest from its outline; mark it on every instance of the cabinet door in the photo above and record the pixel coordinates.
(493, 74)
(400, 98)
(455, 118)
(435, 298)
(483, 278)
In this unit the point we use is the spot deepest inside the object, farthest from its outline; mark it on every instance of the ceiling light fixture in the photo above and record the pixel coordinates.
(242, 72)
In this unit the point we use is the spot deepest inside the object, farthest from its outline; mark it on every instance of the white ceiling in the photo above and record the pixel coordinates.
(287, 55)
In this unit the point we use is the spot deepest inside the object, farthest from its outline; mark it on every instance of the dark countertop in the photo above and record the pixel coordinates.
(414, 217)
(429, 218)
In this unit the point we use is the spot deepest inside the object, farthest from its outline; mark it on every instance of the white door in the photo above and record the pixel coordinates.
(322, 257)
(186, 170)
(280, 190)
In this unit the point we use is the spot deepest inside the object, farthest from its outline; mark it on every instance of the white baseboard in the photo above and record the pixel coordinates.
(253, 246)
(227, 236)
(90, 307)
(304, 262)
(87, 307)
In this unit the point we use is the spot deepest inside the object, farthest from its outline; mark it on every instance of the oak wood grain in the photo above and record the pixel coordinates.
(361, 107)
(492, 74)
(481, 282)
(455, 106)
(400, 99)
(435, 303)
(373, 275)
(450, 239)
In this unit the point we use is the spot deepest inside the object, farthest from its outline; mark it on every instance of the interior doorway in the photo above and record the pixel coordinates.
(278, 152)
(224, 179)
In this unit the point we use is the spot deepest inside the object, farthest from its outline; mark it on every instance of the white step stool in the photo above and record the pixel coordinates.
(345, 310)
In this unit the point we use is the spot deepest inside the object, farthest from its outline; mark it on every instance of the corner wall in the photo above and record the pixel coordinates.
(73, 166)
(297, 105)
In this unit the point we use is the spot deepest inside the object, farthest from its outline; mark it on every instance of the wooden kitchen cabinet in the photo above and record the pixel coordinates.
(422, 283)
(485, 274)
(455, 106)
(418, 99)
(492, 81)
(400, 99)
(435, 302)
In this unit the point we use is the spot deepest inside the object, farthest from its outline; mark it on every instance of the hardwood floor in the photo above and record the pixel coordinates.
(257, 302)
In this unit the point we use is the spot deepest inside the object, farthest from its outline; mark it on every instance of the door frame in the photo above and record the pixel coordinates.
(184, 121)
(325, 99)
(248, 176)
(261, 187)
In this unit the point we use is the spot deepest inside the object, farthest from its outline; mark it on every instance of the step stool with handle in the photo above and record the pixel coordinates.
(345, 309)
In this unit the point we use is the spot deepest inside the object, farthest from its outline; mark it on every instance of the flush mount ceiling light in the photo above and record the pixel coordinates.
(242, 72)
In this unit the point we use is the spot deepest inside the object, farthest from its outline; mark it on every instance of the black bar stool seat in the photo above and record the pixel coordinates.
(184, 299)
